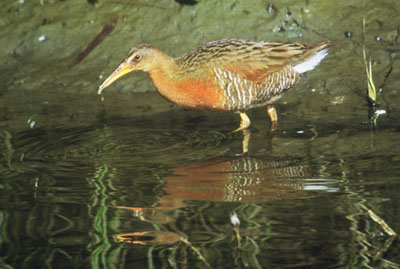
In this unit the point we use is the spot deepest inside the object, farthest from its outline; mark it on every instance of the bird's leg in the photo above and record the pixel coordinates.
(245, 141)
(244, 122)
(271, 110)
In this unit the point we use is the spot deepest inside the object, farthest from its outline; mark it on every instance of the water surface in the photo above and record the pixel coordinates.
(95, 186)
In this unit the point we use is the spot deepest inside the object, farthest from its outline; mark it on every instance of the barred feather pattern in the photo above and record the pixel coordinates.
(229, 51)
(248, 73)
(248, 173)
(241, 94)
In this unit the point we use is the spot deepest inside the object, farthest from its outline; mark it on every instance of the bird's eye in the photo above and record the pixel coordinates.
(137, 57)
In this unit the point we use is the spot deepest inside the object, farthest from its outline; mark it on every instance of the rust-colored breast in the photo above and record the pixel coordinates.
(194, 92)
(200, 94)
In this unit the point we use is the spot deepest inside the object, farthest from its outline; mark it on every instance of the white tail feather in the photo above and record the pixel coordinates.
(311, 62)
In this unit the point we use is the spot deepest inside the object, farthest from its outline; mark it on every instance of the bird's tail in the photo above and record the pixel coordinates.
(314, 56)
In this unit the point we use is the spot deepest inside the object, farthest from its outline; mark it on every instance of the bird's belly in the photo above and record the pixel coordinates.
(194, 94)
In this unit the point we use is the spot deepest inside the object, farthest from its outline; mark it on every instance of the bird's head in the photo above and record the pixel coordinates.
(139, 58)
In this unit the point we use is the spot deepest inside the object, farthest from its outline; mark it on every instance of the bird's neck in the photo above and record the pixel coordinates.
(187, 89)
(163, 68)
(165, 75)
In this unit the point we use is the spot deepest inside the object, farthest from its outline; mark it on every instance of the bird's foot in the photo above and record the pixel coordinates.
(244, 123)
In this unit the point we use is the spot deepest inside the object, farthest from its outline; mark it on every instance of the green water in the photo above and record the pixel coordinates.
(106, 190)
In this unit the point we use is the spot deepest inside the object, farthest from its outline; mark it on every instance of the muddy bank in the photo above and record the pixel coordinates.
(42, 42)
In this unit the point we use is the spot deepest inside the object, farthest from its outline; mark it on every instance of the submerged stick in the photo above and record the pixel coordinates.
(380, 221)
(196, 250)
(383, 249)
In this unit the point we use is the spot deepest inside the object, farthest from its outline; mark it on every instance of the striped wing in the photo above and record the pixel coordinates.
(258, 60)
(251, 73)
(252, 60)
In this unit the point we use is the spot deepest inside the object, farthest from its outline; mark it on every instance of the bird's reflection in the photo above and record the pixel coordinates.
(241, 179)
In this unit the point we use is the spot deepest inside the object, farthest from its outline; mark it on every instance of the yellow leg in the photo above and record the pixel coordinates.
(245, 141)
(244, 122)
(271, 110)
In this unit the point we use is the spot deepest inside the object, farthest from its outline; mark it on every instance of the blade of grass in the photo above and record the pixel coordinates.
(368, 69)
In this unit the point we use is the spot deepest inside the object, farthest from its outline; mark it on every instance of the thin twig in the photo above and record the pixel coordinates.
(383, 249)
(196, 250)
(100, 37)
(380, 221)
(138, 4)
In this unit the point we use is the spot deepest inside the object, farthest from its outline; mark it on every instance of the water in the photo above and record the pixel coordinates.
(136, 185)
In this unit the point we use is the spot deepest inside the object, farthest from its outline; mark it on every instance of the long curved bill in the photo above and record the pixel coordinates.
(121, 71)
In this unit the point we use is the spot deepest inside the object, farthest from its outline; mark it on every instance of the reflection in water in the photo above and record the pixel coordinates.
(150, 237)
(145, 197)
(243, 180)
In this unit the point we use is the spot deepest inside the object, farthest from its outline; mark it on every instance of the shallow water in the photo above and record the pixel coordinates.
(95, 186)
